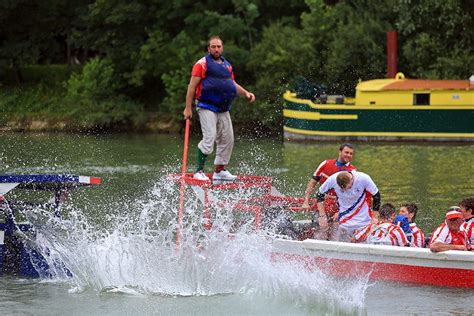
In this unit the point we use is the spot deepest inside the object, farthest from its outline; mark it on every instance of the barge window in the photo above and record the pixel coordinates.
(421, 99)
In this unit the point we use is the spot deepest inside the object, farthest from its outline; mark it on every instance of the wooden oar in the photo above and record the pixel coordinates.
(181, 193)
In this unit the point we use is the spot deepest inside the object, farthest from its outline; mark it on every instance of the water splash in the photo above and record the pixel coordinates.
(133, 252)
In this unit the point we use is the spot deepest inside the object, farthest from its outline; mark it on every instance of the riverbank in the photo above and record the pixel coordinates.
(63, 99)
(33, 111)
(151, 122)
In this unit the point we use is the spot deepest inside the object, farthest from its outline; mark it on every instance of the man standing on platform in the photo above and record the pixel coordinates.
(320, 175)
(213, 86)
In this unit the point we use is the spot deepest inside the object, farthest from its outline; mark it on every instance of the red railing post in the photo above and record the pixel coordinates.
(183, 185)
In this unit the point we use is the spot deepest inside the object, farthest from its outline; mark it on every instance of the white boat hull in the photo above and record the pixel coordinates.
(384, 263)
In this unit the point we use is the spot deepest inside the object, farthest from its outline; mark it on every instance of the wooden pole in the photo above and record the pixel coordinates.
(391, 54)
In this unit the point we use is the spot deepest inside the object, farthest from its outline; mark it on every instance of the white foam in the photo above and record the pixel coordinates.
(135, 254)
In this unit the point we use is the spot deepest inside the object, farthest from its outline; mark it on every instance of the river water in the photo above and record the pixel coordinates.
(116, 239)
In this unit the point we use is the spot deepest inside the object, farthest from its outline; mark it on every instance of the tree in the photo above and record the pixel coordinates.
(34, 32)
(349, 40)
(436, 38)
(21, 43)
(283, 53)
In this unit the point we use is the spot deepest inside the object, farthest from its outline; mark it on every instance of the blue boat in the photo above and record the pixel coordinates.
(18, 255)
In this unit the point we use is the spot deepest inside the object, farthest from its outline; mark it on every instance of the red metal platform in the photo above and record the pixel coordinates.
(265, 197)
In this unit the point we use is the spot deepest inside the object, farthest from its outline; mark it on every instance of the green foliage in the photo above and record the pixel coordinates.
(93, 98)
(436, 38)
(147, 49)
(151, 60)
(117, 113)
(176, 79)
(349, 41)
(31, 102)
(50, 74)
(96, 82)
(282, 54)
(260, 118)
(305, 89)
(46, 104)
(356, 51)
(36, 31)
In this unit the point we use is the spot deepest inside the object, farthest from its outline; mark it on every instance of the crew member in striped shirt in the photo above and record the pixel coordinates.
(466, 207)
(384, 232)
(409, 210)
(448, 236)
(354, 211)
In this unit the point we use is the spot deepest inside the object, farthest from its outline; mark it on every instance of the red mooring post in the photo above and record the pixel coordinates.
(391, 54)
(183, 185)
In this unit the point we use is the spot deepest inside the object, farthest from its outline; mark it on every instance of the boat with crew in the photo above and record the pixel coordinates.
(394, 109)
(263, 205)
(381, 263)
(19, 245)
(292, 243)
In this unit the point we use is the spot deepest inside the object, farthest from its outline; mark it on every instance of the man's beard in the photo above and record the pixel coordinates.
(216, 56)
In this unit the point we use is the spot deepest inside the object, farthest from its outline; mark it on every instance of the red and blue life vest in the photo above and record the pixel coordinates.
(218, 88)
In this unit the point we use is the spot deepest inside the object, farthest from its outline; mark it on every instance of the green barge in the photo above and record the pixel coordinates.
(386, 109)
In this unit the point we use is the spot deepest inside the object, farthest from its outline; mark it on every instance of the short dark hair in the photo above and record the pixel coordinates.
(468, 204)
(411, 208)
(386, 211)
(346, 145)
(213, 38)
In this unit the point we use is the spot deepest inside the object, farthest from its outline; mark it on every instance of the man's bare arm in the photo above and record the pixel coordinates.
(309, 190)
(323, 218)
(188, 110)
(439, 246)
(242, 92)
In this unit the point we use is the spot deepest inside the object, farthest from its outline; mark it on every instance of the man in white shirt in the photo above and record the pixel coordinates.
(354, 212)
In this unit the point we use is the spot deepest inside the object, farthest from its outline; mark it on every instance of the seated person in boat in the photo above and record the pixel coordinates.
(402, 222)
(448, 236)
(320, 175)
(417, 238)
(354, 211)
(466, 207)
(384, 232)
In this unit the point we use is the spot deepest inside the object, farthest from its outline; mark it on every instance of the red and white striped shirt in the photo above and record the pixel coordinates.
(382, 233)
(468, 229)
(443, 235)
(418, 236)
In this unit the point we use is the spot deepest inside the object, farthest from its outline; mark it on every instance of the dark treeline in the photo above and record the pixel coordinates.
(112, 63)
